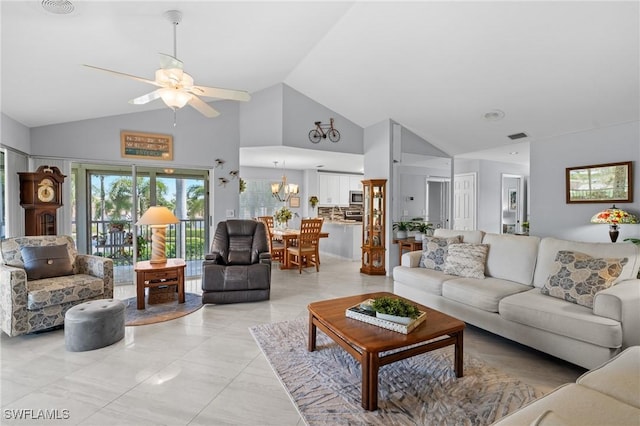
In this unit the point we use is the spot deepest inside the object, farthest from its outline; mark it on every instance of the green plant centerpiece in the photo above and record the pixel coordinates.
(283, 215)
(395, 309)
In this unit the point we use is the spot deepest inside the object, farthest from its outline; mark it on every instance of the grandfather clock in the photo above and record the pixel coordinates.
(41, 197)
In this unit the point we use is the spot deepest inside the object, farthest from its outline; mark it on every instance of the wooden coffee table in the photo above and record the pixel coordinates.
(366, 342)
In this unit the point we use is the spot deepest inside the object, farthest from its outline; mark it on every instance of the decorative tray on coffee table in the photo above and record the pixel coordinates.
(363, 314)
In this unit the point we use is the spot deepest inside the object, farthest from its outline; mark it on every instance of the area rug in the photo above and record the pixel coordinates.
(160, 312)
(423, 390)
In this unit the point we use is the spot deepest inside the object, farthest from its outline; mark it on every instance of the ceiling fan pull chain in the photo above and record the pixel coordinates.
(174, 118)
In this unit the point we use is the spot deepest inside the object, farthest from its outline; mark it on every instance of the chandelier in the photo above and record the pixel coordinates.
(282, 191)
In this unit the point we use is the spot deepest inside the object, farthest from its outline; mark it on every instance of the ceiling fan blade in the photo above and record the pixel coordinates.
(145, 99)
(168, 62)
(144, 80)
(216, 92)
(203, 107)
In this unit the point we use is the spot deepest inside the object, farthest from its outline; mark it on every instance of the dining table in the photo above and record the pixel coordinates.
(288, 237)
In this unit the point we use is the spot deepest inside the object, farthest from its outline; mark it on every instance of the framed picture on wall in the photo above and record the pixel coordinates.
(513, 199)
(600, 183)
(294, 202)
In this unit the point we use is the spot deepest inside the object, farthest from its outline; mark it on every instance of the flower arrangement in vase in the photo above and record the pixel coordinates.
(283, 215)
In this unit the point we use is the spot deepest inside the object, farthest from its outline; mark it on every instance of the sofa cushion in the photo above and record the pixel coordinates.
(466, 260)
(473, 237)
(577, 277)
(549, 248)
(57, 290)
(577, 405)
(428, 280)
(11, 247)
(619, 377)
(549, 418)
(558, 316)
(434, 251)
(46, 261)
(512, 257)
(485, 294)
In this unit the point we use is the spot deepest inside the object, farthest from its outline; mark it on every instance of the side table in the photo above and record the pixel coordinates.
(159, 274)
(408, 244)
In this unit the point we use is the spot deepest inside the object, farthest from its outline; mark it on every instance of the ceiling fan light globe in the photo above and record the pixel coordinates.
(170, 77)
(175, 98)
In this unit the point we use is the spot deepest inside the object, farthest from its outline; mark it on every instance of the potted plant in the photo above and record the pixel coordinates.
(402, 228)
(313, 200)
(423, 229)
(283, 216)
(117, 225)
(243, 185)
(395, 309)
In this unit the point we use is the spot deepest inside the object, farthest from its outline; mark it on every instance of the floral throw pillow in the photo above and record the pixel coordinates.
(466, 260)
(434, 251)
(577, 277)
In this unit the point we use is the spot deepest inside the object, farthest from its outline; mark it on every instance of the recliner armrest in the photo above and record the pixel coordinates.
(213, 258)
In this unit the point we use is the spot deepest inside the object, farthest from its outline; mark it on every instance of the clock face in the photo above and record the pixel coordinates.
(46, 191)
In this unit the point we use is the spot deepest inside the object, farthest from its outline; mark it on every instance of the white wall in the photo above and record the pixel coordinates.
(550, 214)
(14, 135)
(261, 118)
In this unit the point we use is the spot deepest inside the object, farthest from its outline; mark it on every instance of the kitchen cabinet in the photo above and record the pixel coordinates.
(334, 188)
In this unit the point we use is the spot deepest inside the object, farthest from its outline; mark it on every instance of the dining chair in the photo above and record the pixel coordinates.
(276, 246)
(306, 252)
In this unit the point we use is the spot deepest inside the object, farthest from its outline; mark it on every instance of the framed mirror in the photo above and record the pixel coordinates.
(512, 205)
(600, 183)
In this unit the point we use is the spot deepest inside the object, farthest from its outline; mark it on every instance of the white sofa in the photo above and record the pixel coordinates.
(608, 395)
(508, 302)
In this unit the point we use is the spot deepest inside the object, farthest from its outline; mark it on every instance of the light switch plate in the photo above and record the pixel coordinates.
(231, 213)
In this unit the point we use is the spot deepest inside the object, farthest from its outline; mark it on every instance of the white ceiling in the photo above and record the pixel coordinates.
(434, 67)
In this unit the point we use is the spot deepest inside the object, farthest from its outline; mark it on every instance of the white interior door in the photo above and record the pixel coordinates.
(464, 201)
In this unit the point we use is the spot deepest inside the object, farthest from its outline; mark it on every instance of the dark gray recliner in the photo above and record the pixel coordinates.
(238, 269)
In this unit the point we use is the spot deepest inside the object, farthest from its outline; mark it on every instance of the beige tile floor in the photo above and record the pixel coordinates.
(205, 368)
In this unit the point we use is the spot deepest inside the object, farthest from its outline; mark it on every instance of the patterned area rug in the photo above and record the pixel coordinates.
(423, 390)
(161, 311)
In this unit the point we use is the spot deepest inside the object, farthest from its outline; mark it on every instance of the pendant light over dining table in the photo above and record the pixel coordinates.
(282, 190)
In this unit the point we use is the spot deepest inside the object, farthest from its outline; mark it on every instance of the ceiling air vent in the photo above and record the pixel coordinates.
(59, 7)
(517, 136)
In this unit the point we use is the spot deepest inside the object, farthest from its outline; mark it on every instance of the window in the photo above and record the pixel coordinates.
(3, 215)
(257, 200)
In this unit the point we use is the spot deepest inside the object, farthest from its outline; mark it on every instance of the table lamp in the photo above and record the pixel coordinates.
(158, 217)
(613, 217)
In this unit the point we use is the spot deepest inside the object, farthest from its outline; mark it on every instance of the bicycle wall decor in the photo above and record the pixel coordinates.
(322, 131)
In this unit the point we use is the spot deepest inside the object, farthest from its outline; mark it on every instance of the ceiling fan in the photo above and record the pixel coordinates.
(175, 87)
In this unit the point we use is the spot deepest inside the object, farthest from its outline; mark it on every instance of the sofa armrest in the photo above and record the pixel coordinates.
(620, 303)
(13, 300)
(411, 259)
(97, 266)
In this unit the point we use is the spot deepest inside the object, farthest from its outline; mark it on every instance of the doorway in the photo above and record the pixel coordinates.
(464, 201)
(438, 205)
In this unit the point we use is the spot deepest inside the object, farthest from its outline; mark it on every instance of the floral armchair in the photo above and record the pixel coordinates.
(39, 302)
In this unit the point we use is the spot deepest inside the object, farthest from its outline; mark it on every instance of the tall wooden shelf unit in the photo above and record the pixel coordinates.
(373, 226)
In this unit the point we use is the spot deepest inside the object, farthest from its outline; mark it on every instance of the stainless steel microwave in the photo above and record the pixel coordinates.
(355, 197)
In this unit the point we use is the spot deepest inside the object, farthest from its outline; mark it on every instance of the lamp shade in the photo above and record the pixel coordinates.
(613, 215)
(157, 215)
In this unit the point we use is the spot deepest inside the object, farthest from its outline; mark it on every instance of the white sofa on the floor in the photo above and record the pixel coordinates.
(608, 395)
(508, 302)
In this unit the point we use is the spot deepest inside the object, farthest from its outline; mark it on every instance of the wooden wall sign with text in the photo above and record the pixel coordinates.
(149, 146)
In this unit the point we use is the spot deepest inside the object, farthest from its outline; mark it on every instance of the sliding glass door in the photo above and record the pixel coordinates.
(116, 203)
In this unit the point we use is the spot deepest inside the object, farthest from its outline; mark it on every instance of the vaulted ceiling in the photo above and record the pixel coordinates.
(436, 67)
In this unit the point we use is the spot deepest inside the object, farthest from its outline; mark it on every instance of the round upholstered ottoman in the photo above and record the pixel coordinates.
(93, 325)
